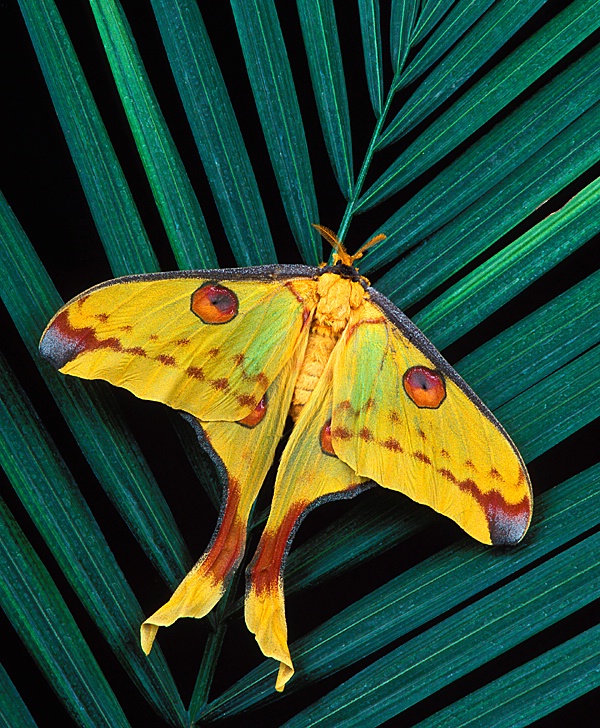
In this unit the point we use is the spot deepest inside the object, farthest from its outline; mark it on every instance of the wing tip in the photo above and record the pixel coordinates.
(509, 526)
(58, 345)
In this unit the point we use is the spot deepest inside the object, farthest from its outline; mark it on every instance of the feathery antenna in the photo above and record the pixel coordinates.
(341, 253)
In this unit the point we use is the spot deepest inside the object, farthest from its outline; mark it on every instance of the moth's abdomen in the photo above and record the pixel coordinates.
(336, 298)
(321, 341)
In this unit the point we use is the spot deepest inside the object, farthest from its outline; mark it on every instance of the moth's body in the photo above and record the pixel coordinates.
(372, 399)
(336, 298)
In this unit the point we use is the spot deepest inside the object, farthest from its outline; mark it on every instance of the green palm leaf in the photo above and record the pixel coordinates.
(468, 134)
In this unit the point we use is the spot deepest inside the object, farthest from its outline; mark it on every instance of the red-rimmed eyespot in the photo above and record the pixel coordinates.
(426, 387)
(214, 303)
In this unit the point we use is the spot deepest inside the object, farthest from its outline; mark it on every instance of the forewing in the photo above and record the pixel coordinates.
(404, 418)
(209, 343)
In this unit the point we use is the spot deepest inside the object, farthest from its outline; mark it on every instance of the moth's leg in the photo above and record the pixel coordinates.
(309, 473)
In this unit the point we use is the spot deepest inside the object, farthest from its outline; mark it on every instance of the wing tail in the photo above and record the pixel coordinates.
(309, 474)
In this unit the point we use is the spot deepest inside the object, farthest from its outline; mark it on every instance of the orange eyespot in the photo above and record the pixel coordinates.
(326, 444)
(256, 415)
(425, 387)
(214, 304)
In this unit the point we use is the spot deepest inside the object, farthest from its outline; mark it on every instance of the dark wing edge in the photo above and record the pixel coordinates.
(265, 273)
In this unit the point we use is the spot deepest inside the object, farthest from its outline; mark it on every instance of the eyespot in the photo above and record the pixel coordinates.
(426, 387)
(326, 444)
(214, 303)
(257, 414)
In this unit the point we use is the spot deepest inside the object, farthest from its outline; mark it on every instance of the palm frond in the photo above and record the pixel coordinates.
(468, 133)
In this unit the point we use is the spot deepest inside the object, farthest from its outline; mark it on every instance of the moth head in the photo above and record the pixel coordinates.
(341, 255)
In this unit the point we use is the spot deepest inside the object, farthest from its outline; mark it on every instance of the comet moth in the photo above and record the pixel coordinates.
(372, 401)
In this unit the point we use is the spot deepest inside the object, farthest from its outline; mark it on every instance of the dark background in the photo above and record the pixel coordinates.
(40, 183)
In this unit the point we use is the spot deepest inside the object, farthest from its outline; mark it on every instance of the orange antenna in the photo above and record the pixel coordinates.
(341, 254)
(369, 244)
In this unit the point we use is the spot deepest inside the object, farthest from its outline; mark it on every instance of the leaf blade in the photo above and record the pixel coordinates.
(512, 269)
(56, 506)
(489, 95)
(570, 399)
(540, 598)
(108, 195)
(536, 346)
(177, 204)
(431, 13)
(461, 17)
(13, 710)
(94, 419)
(322, 44)
(493, 157)
(39, 614)
(403, 16)
(216, 130)
(275, 96)
(478, 45)
(370, 27)
(532, 691)
(549, 170)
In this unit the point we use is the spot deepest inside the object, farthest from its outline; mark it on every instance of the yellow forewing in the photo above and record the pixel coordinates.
(454, 457)
(144, 334)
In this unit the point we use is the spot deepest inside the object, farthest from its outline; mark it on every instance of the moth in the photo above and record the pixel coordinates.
(372, 401)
